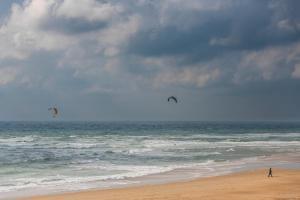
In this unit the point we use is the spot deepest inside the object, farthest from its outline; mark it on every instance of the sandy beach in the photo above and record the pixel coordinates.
(252, 184)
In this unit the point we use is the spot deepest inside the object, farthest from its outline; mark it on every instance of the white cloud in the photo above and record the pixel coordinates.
(23, 32)
(268, 64)
(119, 32)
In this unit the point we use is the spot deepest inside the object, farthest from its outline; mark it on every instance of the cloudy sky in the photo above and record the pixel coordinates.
(121, 59)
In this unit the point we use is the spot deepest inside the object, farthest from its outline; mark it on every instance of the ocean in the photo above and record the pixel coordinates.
(51, 157)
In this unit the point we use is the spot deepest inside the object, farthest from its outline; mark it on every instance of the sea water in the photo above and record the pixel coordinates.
(47, 157)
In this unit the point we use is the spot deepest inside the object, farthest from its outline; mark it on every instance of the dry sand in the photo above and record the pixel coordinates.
(252, 185)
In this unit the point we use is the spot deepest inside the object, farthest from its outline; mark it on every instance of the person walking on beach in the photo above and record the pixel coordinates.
(270, 173)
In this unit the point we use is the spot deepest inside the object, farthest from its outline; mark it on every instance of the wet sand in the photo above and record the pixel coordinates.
(254, 185)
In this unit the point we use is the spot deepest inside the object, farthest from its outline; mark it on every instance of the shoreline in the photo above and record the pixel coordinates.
(239, 185)
(178, 175)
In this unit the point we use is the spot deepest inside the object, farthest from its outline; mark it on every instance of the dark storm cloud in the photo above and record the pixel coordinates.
(171, 41)
(72, 26)
(224, 59)
(240, 25)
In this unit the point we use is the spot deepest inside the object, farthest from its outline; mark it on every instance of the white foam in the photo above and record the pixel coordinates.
(231, 149)
(130, 171)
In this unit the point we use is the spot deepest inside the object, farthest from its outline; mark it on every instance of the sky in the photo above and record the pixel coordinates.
(105, 60)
